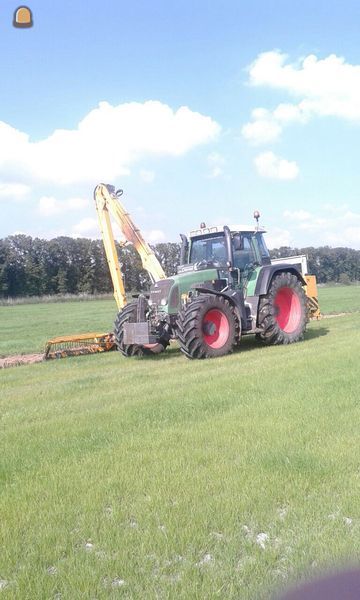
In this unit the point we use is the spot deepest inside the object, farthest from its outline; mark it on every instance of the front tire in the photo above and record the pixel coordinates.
(282, 314)
(207, 327)
(128, 315)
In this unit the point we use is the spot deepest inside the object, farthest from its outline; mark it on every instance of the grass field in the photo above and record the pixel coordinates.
(25, 328)
(339, 299)
(168, 478)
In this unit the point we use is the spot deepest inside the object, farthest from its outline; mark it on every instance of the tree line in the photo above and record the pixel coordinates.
(64, 265)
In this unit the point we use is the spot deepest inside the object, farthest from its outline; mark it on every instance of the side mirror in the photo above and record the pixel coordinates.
(238, 242)
(235, 275)
(184, 249)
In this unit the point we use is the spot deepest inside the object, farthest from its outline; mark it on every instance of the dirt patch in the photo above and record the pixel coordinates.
(20, 359)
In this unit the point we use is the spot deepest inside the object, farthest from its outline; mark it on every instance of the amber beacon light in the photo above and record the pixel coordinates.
(23, 17)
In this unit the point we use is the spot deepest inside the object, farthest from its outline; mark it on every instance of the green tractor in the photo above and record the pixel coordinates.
(225, 287)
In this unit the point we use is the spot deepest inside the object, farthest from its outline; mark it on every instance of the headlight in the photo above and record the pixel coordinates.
(163, 302)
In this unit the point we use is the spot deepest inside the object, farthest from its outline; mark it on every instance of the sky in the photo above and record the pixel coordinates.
(198, 110)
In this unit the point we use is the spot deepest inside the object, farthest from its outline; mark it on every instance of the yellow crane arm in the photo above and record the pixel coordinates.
(107, 202)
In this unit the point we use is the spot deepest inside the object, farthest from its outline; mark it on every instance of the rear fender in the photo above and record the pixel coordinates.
(267, 273)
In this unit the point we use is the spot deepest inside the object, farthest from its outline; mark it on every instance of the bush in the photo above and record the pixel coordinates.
(344, 279)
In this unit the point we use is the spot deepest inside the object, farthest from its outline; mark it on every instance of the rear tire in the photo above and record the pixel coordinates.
(282, 314)
(128, 315)
(207, 327)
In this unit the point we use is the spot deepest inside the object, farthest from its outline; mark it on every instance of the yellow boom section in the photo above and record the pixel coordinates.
(107, 202)
(312, 297)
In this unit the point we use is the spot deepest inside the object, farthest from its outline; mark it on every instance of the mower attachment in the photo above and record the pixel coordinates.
(76, 345)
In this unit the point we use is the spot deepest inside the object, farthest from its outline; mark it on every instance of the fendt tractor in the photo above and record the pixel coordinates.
(225, 287)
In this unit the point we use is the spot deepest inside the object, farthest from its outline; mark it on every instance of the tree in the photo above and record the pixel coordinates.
(3, 268)
(344, 279)
(169, 256)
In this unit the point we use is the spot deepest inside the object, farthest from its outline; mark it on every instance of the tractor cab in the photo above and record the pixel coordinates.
(231, 251)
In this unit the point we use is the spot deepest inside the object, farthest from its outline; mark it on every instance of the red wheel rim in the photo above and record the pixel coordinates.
(154, 348)
(215, 328)
(288, 306)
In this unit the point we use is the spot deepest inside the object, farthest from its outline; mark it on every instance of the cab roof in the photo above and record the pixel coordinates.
(220, 229)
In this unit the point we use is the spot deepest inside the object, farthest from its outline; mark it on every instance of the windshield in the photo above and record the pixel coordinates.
(211, 249)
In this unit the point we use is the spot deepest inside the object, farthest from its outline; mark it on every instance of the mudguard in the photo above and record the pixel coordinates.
(236, 298)
(268, 272)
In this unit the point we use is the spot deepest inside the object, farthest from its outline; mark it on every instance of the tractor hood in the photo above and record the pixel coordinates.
(166, 293)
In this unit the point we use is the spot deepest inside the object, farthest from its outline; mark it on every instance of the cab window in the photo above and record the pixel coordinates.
(244, 257)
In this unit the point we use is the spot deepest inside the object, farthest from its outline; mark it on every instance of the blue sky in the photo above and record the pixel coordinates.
(200, 111)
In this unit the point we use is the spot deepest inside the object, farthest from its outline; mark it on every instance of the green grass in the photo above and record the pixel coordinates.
(337, 299)
(26, 328)
(163, 472)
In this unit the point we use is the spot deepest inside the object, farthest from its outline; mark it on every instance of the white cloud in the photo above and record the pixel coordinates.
(273, 167)
(155, 236)
(331, 82)
(216, 163)
(297, 215)
(49, 206)
(278, 237)
(106, 142)
(76, 203)
(336, 227)
(351, 236)
(13, 191)
(87, 227)
(147, 176)
(285, 113)
(325, 87)
(262, 129)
